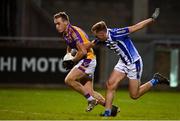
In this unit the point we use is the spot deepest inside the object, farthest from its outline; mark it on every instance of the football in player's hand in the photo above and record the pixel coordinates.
(68, 56)
(67, 61)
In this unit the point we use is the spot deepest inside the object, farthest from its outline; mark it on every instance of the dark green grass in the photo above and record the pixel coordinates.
(51, 104)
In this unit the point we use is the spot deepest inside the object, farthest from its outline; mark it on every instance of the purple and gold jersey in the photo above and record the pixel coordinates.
(81, 37)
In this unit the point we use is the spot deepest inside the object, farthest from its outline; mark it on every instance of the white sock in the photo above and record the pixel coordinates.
(90, 98)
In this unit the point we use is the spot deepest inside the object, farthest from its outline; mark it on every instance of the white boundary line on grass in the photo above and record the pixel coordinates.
(23, 112)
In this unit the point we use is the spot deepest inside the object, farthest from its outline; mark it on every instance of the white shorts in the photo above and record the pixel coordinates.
(133, 71)
(87, 66)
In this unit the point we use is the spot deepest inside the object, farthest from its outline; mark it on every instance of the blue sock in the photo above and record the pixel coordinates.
(154, 82)
(107, 112)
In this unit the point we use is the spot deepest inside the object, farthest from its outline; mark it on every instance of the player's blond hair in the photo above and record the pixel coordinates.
(62, 15)
(100, 26)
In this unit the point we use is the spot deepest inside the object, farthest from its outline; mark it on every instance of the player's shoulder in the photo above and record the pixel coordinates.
(76, 28)
(123, 30)
(118, 29)
(80, 31)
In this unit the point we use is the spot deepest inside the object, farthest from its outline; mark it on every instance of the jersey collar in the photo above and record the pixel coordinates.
(108, 35)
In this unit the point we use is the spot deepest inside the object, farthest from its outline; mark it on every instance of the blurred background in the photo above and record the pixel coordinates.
(31, 50)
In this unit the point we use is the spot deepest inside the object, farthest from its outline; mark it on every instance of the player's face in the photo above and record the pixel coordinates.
(60, 24)
(101, 35)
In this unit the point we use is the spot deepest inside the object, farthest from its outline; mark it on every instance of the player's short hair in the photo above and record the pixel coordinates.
(62, 15)
(100, 26)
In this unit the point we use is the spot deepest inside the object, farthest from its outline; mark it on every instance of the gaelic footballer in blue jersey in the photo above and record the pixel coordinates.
(130, 62)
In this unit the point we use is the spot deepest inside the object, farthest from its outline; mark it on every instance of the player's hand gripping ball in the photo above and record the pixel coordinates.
(67, 61)
(73, 52)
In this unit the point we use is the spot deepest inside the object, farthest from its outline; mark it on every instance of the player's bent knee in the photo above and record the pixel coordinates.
(68, 80)
(110, 86)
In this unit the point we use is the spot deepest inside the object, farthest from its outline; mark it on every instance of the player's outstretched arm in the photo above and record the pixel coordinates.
(144, 23)
(91, 44)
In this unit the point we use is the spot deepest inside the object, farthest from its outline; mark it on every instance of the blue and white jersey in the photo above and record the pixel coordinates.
(120, 42)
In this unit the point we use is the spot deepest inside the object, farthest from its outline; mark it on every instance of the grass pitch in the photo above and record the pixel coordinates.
(66, 104)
